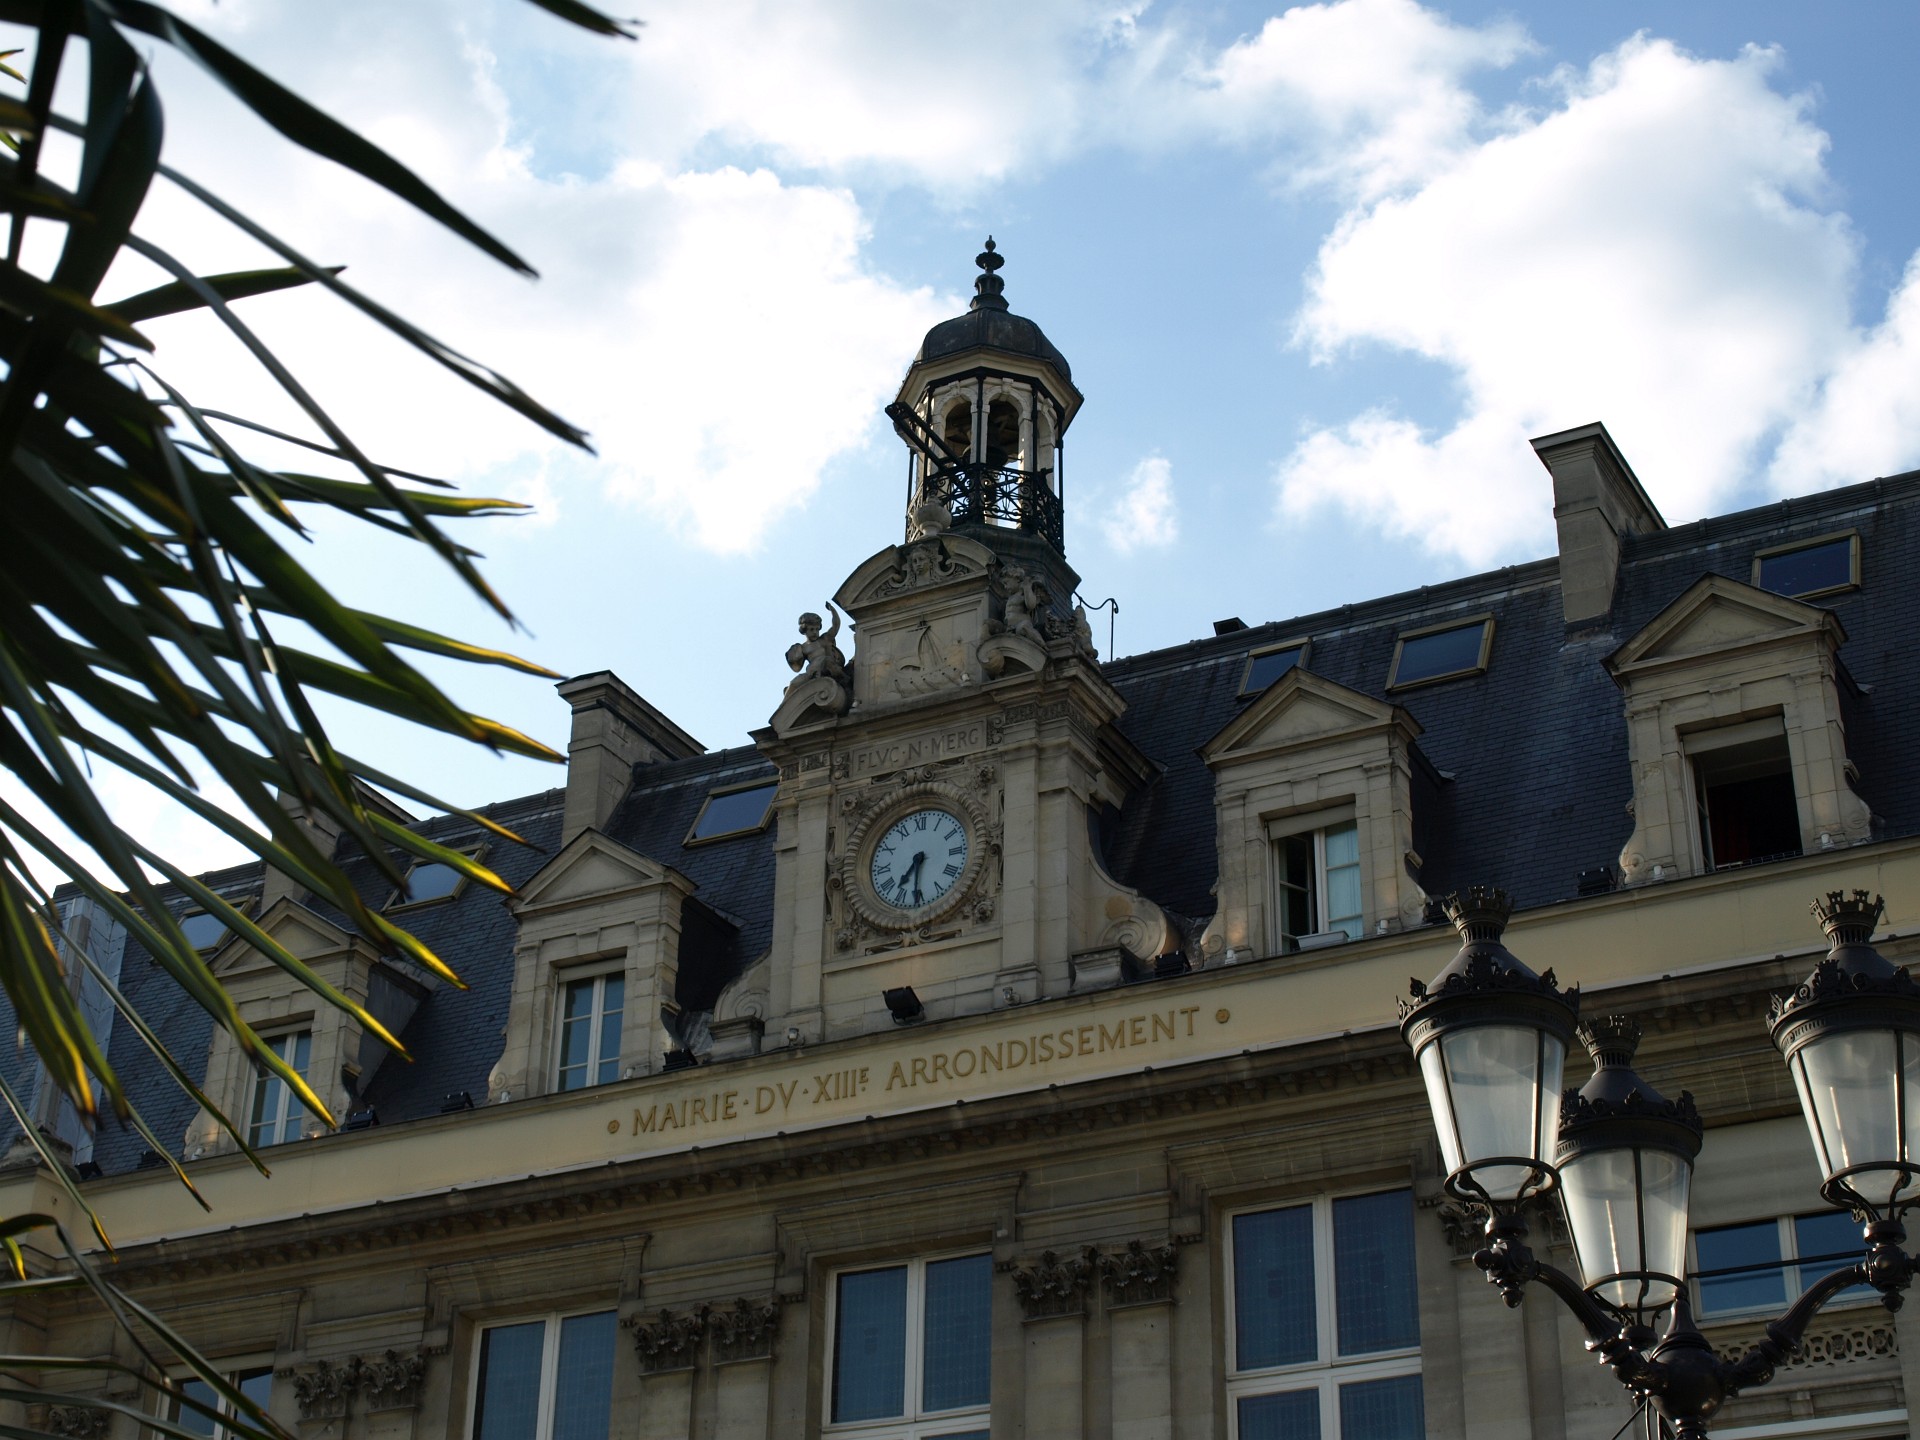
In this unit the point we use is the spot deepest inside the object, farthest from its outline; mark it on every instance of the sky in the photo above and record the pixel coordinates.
(1320, 272)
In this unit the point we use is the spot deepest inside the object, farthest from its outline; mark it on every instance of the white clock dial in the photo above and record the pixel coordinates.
(919, 859)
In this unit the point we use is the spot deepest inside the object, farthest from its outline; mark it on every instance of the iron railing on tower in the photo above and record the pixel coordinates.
(979, 494)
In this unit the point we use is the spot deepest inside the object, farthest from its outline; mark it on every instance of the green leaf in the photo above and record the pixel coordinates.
(175, 296)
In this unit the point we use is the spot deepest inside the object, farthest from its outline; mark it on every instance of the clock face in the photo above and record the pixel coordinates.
(919, 859)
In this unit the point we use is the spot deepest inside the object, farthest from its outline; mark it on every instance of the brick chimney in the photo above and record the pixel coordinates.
(1596, 500)
(614, 729)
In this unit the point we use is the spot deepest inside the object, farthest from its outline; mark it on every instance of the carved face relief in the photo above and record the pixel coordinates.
(918, 859)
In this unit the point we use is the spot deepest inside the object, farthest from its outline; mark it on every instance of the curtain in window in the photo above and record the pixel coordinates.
(1376, 1306)
(509, 1395)
(1292, 1416)
(958, 1346)
(1273, 1288)
(1383, 1410)
(869, 1353)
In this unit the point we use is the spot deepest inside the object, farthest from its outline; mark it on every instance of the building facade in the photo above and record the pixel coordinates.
(1003, 1043)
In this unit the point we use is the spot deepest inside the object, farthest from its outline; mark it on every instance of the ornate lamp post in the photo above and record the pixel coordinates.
(1490, 1036)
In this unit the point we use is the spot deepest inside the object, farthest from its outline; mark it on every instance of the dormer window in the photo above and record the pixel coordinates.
(1268, 665)
(1316, 871)
(276, 1113)
(203, 929)
(1811, 567)
(589, 1042)
(1441, 652)
(1743, 784)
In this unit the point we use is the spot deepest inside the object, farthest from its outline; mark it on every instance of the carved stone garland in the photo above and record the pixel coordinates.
(386, 1382)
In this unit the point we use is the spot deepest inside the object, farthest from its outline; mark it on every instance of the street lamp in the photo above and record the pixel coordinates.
(1490, 1037)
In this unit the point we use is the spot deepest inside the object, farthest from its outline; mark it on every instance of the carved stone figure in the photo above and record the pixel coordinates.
(930, 516)
(1083, 632)
(815, 656)
(1026, 598)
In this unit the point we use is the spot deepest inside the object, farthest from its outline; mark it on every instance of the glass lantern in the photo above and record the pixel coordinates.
(1626, 1165)
(1851, 1039)
(1491, 1040)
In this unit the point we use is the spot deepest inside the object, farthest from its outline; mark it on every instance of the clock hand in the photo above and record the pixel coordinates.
(913, 874)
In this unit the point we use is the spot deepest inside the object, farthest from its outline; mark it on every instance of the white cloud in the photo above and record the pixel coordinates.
(1650, 252)
(1142, 516)
(1866, 421)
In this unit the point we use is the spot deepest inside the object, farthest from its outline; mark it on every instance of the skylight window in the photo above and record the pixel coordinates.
(1816, 568)
(203, 929)
(733, 812)
(1266, 666)
(1441, 653)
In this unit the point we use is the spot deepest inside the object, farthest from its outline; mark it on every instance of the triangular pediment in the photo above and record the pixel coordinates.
(1301, 708)
(1716, 615)
(593, 867)
(303, 933)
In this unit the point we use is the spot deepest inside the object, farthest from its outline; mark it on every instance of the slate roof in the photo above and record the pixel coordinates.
(1530, 760)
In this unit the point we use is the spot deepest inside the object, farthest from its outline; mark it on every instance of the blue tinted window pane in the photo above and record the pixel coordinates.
(1441, 653)
(1292, 1416)
(200, 1391)
(1831, 1240)
(1273, 1302)
(509, 1399)
(583, 1382)
(1801, 572)
(1375, 1302)
(870, 1345)
(1383, 1410)
(734, 811)
(612, 1001)
(203, 931)
(1263, 670)
(959, 1340)
(431, 881)
(1732, 1247)
(257, 1386)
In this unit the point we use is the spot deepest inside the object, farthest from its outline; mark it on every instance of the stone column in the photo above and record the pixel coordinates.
(742, 1337)
(1139, 1291)
(1053, 1295)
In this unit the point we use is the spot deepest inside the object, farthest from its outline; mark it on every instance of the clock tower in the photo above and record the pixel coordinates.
(937, 849)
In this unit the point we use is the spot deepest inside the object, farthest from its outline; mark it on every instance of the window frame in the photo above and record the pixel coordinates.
(1303, 643)
(1788, 1245)
(235, 1375)
(914, 1425)
(1700, 746)
(1329, 1371)
(694, 838)
(397, 902)
(290, 1107)
(1852, 582)
(549, 1362)
(1316, 822)
(596, 972)
(1484, 620)
(242, 903)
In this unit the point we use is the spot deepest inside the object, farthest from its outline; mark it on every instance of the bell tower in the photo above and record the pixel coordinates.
(936, 851)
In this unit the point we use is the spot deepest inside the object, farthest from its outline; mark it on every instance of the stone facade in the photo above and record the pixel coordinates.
(1070, 1065)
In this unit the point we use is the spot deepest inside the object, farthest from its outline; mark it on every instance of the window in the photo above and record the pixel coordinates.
(732, 812)
(545, 1379)
(1743, 793)
(1441, 652)
(590, 1031)
(1818, 567)
(1316, 869)
(256, 1384)
(204, 930)
(428, 881)
(1326, 1324)
(1741, 1268)
(1266, 666)
(911, 1350)
(276, 1112)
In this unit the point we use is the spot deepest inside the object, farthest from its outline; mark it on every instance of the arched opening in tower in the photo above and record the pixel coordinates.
(957, 430)
(1003, 433)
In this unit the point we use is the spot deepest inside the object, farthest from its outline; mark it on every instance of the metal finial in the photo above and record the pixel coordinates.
(987, 289)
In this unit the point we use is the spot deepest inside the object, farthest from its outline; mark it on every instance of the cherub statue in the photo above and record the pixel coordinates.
(1026, 598)
(815, 656)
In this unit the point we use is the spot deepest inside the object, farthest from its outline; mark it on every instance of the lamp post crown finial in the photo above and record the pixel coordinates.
(1610, 1039)
(1849, 919)
(1480, 912)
